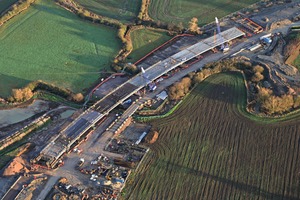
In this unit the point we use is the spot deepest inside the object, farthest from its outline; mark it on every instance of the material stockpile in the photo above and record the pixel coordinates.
(16, 166)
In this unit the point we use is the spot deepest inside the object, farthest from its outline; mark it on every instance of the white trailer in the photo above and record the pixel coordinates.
(255, 47)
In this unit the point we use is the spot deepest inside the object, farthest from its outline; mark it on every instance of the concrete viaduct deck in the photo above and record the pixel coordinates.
(124, 91)
(105, 105)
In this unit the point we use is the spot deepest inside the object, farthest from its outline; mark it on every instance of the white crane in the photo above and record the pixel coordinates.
(224, 48)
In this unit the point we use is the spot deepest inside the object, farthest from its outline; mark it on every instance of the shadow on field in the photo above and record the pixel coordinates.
(215, 6)
(9, 82)
(234, 184)
(227, 92)
(50, 9)
(87, 33)
(90, 61)
(102, 47)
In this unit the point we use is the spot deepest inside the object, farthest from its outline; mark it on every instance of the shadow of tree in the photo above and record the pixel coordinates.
(8, 82)
(251, 189)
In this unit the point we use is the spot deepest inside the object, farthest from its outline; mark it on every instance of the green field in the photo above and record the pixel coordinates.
(5, 4)
(145, 40)
(208, 149)
(124, 10)
(49, 43)
(176, 11)
(297, 62)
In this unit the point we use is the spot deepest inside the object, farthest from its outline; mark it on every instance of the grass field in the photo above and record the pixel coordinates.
(145, 40)
(123, 10)
(176, 11)
(208, 149)
(49, 43)
(297, 62)
(5, 4)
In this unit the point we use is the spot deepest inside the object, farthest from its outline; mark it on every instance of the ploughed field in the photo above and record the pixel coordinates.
(145, 40)
(49, 43)
(175, 11)
(123, 10)
(209, 149)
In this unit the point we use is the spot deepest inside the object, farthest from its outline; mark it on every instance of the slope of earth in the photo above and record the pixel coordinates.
(49, 43)
(297, 62)
(176, 11)
(145, 40)
(5, 4)
(123, 10)
(292, 49)
(207, 149)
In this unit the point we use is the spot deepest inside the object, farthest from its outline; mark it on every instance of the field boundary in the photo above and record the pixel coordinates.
(15, 10)
(231, 14)
(164, 44)
(243, 110)
(144, 14)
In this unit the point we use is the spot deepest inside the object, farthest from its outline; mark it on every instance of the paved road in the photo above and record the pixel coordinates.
(49, 185)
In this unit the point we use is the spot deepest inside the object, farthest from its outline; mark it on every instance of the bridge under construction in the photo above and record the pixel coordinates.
(84, 123)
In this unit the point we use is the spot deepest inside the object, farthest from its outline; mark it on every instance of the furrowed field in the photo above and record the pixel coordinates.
(208, 149)
(176, 11)
(49, 43)
(145, 40)
(124, 10)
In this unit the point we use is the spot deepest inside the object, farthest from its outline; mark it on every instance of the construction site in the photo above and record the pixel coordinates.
(102, 144)
(84, 124)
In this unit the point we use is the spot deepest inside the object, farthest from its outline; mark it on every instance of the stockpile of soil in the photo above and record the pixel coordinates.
(16, 166)
(151, 137)
(281, 23)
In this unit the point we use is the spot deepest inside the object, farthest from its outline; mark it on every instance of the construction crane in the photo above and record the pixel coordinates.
(147, 82)
(224, 47)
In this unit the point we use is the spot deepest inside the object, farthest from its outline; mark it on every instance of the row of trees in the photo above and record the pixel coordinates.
(193, 26)
(96, 18)
(255, 74)
(271, 104)
(143, 14)
(15, 9)
(143, 18)
(23, 94)
(179, 89)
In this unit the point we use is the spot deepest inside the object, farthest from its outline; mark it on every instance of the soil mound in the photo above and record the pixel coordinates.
(278, 24)
(151, 137)
(16, 166)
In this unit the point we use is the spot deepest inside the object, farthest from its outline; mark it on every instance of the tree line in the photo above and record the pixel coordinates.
(15, 9)
(268, 102)
(27, 92)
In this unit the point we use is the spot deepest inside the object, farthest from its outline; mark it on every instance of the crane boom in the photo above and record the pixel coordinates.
(223, 47)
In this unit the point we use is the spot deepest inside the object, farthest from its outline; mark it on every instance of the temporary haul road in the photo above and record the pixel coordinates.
(104, 106)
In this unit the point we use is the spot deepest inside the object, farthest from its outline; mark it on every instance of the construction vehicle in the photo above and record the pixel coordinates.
(80, 163)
